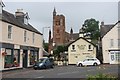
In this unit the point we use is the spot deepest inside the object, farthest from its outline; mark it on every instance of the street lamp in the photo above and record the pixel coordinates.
(43, 31)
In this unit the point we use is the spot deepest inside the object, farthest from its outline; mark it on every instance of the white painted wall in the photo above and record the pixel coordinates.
(79, 53)
(112, 34)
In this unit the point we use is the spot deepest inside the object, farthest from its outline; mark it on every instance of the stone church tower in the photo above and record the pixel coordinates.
(58, 29)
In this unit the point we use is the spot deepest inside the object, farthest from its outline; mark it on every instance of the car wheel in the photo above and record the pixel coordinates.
(52, 66)
(80, 65)
(95, 64)
(45, 67)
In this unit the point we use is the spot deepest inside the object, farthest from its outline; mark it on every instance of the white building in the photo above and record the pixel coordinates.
(20, 43)
(111, 43)
(80, 49)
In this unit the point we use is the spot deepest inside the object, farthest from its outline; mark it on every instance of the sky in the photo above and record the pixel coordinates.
(75, 12)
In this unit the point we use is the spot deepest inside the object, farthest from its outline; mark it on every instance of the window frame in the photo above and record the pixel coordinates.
(9, 31)
(33, 38)
(25, 36)
(111, 42)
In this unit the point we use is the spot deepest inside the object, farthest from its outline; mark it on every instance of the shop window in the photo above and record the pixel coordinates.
(8, 58)
(16, 58)
(31, 57)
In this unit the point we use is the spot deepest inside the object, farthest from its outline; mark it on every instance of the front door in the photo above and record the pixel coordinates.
(25, 54)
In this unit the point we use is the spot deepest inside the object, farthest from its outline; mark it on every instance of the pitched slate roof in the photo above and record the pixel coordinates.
(75, 36)
(10, 18)
(107, 28)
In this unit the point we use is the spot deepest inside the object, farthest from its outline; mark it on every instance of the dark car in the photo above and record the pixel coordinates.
(44, 63)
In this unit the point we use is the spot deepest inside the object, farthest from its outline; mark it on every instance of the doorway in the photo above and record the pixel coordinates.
(25, 58)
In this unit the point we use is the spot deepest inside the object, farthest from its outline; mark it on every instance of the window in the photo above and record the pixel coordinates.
(61, 22)
(25, 36)
(58, 31)
(89, 47)
(112, 57)
(117, 56)
(26, 21)
(73, 47)
(9, 31)
(16, 56)
(33, 37)
(31, 57)
(8, 58)
(111, 43)
(118, 42)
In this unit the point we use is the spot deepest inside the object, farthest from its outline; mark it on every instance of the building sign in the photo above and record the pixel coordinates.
(81, 47)
(17, 46)
(85, 53)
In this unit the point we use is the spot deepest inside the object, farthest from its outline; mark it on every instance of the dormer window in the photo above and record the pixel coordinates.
(26, 18)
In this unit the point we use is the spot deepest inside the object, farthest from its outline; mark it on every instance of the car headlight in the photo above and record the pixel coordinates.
(40, 64)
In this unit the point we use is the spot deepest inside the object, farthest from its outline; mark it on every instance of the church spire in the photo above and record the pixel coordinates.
(49, 36)
(54, 12)
(71, 31)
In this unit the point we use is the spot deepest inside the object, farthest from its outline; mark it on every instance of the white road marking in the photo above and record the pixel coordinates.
(40, 77)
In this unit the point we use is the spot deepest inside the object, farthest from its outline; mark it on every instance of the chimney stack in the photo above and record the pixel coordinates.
(20, 15)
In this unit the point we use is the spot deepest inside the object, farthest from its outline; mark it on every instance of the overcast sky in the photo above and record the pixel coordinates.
(75, 13)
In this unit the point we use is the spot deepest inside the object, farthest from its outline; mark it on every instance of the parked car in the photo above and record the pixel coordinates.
(88, 61)
(44, 63)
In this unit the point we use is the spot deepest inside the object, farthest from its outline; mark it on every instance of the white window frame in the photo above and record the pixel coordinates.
(33, 38)
(25, 36)
(111, 42)
(90, 47)
(9, 32)
(118, 42)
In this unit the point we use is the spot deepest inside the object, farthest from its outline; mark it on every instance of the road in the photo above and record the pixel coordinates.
(62, 72)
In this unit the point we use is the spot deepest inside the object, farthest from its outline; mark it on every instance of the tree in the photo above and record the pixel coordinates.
(45, 46)
(59, 49)
(91, 28)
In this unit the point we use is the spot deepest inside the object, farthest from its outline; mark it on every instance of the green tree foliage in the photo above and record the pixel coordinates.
(59, 49)
(45, 45)
(91, 28)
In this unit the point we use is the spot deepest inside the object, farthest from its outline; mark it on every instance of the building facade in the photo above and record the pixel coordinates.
(80, 49)
(111, 44)
(21, 44)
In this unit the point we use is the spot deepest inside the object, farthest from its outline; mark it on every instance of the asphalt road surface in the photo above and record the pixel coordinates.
(70, 71)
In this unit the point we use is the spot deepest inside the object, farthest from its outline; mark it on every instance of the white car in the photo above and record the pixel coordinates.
(88, 61)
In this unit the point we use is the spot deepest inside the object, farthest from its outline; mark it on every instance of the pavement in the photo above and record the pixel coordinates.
(70, 71)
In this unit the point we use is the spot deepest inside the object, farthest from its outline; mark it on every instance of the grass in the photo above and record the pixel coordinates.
(102, 77)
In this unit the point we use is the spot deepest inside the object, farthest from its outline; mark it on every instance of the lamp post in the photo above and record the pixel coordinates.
(43, 31)
(43, 39)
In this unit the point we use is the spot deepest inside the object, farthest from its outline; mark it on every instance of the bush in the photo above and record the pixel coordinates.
(102, 77)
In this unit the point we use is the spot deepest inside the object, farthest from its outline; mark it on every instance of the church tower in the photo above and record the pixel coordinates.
(58, 28)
